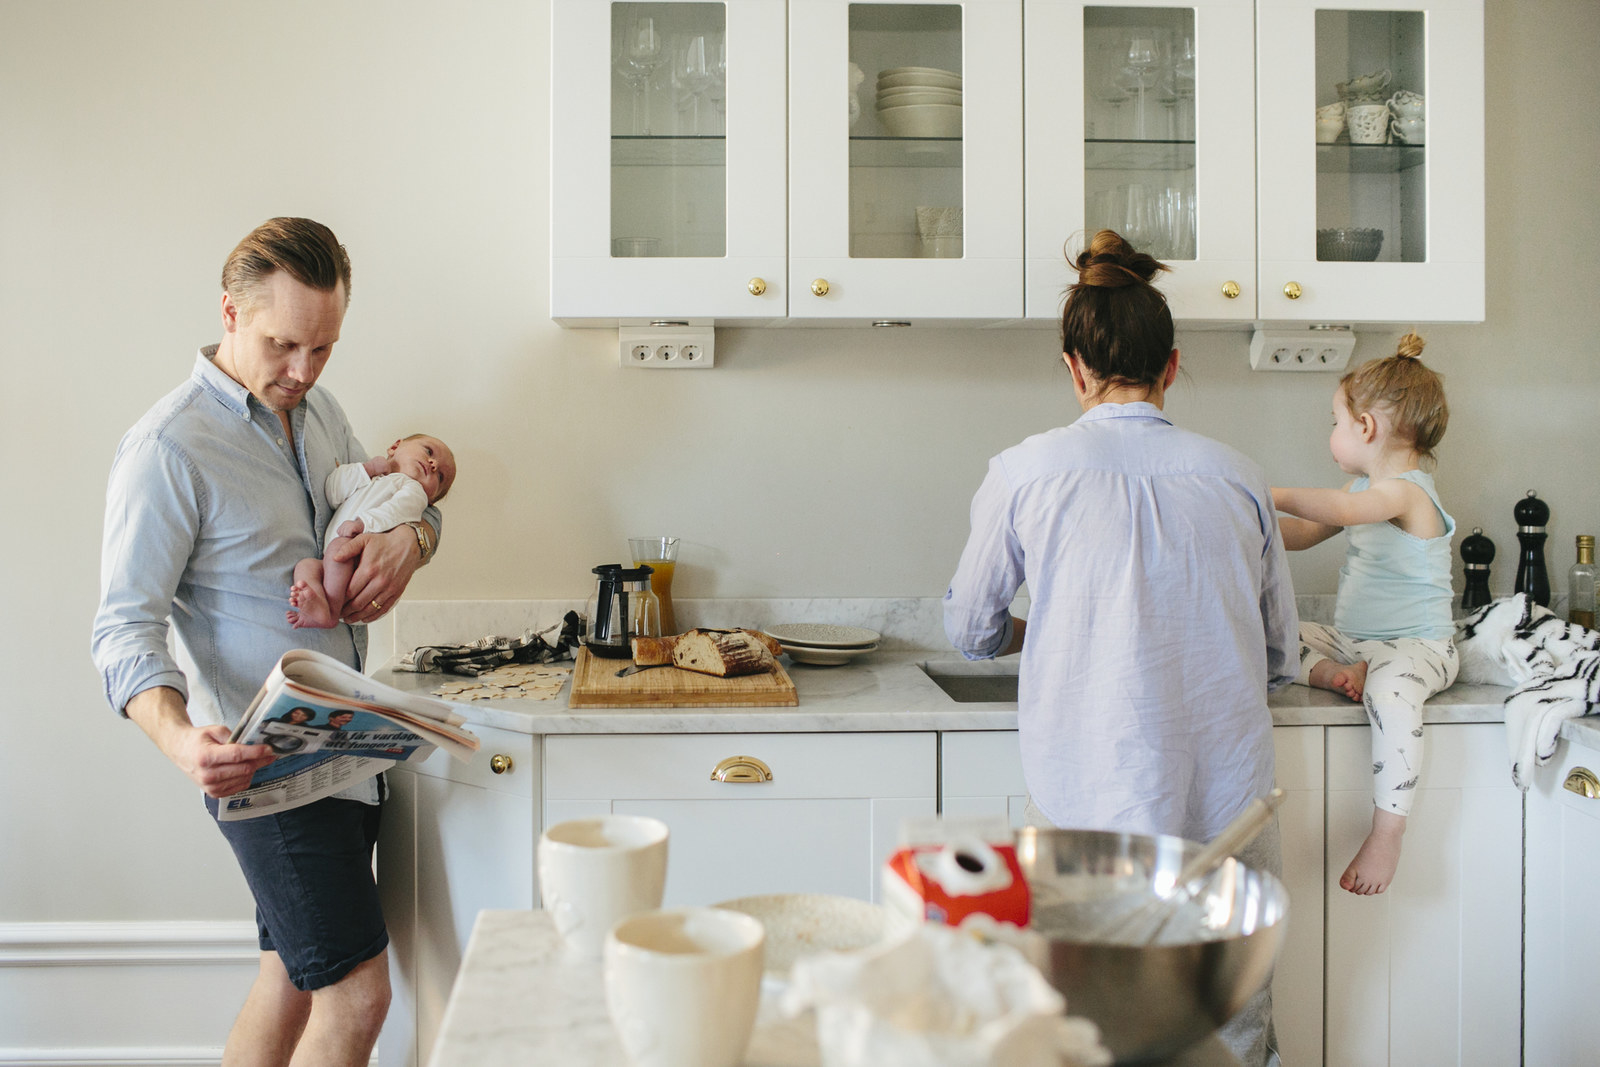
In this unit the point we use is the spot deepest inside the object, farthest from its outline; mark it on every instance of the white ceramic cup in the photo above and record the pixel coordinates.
(594, 872)
(683, 986)
(1328, 130)
(1409, 130)
(1368, 123)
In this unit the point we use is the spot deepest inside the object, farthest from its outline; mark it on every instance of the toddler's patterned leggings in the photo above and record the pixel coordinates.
(1402, 672)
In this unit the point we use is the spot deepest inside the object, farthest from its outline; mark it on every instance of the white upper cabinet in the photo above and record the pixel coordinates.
(1140, 119)
(912, 209)
(1407, 169)
(667, 161)
(815, 160)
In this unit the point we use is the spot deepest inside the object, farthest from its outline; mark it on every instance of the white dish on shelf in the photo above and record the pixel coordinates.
(825, 657)
(922, 120)
(897, 97)
(823, 635)
(938, 79)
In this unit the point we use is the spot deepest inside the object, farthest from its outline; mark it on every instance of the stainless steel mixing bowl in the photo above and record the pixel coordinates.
(1150, 1001)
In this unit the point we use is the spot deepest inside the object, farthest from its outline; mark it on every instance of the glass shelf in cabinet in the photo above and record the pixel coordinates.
(639, 151)
(1369, 158)
(905, 152)
(1100, 154)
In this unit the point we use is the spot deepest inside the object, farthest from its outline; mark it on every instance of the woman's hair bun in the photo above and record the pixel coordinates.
(1410, 346)
(1110, 262)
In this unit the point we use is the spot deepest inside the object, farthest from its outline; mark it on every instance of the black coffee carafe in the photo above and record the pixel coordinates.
(622, 608)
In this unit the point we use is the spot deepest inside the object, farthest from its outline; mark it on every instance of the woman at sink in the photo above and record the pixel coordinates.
(1161, 612)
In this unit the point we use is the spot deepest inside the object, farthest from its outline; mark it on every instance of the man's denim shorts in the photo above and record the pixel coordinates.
(310, 870)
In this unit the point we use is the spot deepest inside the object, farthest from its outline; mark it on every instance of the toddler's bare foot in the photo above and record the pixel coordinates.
(1347, 678)
(1379, 855)
(309, 608)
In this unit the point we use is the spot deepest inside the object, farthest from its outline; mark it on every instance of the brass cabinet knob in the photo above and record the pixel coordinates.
(736, 769)
(1583, 782)
(757, 286)
(1231, 290)
(820, 286)
(1292, 290)
(500, 763)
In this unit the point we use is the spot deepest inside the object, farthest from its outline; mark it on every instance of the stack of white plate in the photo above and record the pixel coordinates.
(822, 644)
(920, 101)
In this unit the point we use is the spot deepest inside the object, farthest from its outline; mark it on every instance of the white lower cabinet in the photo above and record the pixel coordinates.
(1563, 924)
(456, 838)
(1429, 971)
(823, 823)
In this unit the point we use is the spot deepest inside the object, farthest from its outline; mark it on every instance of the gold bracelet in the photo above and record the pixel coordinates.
(422, 541)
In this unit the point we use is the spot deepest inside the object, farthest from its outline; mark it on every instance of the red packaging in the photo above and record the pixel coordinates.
(956, 869)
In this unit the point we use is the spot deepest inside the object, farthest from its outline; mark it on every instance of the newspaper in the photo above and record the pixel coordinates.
(332, 727)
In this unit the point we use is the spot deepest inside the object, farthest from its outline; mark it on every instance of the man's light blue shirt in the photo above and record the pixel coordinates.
(208, 509)
(1160, 616)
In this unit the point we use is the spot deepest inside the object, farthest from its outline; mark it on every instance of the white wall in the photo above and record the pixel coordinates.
(141, 140)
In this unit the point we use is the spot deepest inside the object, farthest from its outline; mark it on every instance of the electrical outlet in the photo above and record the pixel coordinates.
(1317, 349)
(664, 347)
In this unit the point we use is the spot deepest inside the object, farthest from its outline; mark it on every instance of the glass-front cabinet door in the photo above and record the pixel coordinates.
(1371, 161)
(905, 159)
(1140, 119)
(667, 161)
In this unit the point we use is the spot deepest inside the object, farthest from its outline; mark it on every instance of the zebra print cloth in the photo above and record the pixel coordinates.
(1552, 667)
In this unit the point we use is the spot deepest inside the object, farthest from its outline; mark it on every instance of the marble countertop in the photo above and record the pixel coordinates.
(519, 999)
(882, 692)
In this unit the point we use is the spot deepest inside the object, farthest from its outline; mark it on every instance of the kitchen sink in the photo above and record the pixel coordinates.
(975, 682)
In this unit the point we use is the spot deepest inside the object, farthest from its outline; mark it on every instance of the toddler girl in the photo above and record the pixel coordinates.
(1390, 646)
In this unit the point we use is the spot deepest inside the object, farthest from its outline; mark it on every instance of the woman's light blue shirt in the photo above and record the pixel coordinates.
(1160, 616)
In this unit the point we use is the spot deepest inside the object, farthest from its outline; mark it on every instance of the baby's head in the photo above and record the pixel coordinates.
(1403, 393)
(428, 460)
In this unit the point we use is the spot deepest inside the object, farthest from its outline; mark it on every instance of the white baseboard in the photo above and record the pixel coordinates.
(122, 994)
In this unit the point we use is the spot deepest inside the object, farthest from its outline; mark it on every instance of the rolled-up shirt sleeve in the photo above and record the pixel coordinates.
(977, 605)
(1279, 617)
(152, 521)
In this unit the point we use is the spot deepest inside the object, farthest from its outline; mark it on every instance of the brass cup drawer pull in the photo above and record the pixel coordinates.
(736, 769)
(1583, 782)
(500, 763)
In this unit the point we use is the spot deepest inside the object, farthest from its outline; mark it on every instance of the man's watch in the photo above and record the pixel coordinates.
(424, 542)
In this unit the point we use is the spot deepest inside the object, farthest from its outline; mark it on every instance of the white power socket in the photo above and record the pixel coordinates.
(1314, 350)
(663, 347)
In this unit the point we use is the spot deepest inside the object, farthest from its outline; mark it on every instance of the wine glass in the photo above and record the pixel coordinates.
(1183, 87)
(637, 61)
(719, 84)
(693, 75)
(1139, 64)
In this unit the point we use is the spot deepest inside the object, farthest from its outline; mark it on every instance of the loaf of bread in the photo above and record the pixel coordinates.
(725, 653)
(653, 651)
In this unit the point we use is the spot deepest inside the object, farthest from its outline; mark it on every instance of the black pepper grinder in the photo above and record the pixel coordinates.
(1531, 514)
(1477, 552)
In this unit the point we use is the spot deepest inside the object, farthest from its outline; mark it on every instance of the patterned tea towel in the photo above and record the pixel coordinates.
(1552, 666)
(558, 642)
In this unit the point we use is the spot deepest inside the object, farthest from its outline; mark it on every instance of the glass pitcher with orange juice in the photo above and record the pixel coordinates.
(660, 554)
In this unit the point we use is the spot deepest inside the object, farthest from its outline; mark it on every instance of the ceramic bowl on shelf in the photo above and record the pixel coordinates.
(922, 120)
(1365, 89)
(924, 77)
(898, 97)
(1349, 243)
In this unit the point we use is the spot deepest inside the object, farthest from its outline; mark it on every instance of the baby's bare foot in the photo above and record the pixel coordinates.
(309, 608)
(1378, 857)
(1347, 678)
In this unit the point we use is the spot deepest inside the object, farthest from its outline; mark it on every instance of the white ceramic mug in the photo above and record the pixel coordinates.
(594, 872)
(683, 986)
(1328, 130)
(1409, 130)
(1368, 123)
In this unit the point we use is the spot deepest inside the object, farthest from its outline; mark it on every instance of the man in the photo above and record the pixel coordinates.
(214, 496)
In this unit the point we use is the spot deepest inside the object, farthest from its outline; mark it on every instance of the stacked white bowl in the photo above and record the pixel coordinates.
(920, 101)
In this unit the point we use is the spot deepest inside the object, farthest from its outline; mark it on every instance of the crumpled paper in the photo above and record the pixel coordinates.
(939, 998)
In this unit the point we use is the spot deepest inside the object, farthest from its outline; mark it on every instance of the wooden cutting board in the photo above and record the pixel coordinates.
(595, 685)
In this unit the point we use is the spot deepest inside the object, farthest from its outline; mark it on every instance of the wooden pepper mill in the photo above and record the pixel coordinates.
(1477, 552)
(1531, 514)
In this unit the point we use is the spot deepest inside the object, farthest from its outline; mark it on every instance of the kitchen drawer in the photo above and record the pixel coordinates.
(518, 779)
(804, 766)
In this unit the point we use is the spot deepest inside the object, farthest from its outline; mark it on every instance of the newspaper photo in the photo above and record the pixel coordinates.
(332, 727)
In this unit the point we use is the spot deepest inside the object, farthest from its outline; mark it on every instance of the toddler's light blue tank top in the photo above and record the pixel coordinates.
(1394, 584)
